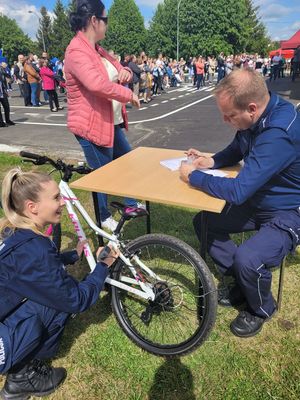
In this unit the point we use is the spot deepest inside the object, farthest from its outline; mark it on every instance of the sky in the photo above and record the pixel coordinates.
(281, 17)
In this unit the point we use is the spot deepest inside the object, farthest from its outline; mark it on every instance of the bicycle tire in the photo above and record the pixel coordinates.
(183, 314)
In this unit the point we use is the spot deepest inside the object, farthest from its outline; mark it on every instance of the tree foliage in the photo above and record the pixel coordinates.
(126, 30)
(207, 27)
(61, 33)
(44, 30)
(13, 40)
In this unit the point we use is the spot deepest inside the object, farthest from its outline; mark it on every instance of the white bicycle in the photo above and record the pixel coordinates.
(162, 292)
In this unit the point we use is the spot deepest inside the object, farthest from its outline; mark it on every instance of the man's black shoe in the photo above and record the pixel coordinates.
(9, 122)
(35, 379)
(246, 324)
(3, 125)
(230, 297)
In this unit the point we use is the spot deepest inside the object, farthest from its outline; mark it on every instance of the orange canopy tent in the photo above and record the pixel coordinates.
(292, 43)
(284, 53)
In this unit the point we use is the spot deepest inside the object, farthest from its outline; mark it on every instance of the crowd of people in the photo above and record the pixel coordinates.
(151, 76)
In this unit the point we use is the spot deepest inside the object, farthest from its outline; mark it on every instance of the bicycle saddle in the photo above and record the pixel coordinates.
(129, 212)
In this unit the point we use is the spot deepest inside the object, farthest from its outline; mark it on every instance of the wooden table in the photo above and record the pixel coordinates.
(138, 174)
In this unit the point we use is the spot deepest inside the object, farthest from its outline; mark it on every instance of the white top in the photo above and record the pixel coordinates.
(113, 77)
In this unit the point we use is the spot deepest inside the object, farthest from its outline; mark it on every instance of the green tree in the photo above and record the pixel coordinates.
(205, 27)
(13, 40)
(44, 31)
(126, 30)
(61, 33)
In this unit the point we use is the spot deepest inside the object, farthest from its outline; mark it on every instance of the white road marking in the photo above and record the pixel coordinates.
(180, 96)
(174, 98)
(165, 101)
(28, 107)
(143, 108)
(209, 89)
(32, 114)
(154, 105)
(131, 122)
(39, 123)
(172, 112)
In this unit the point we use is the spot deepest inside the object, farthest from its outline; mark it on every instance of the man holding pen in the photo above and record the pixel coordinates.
(265, 197)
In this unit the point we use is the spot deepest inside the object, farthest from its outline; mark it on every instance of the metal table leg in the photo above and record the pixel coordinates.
(97, 216)
(203, 244)
(148, 217)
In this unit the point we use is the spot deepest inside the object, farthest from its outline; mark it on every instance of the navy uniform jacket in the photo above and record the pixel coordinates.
(31, 268)
(270, 177)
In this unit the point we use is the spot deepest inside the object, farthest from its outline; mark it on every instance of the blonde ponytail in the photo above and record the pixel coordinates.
(17, 187)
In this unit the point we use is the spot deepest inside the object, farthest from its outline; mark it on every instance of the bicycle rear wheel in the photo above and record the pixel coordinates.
(184, 310)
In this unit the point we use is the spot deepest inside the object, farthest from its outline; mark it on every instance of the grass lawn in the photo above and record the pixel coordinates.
(103, 364)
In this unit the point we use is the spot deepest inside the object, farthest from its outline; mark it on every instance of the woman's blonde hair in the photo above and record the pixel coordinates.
(17, 187)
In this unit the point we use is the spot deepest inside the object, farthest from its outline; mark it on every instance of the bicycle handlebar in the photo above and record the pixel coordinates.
(59, 165)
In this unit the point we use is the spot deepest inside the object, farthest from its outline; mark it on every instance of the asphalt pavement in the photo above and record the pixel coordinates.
(180, 118)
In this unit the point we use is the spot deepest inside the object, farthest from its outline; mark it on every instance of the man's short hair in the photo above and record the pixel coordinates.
(243, 86)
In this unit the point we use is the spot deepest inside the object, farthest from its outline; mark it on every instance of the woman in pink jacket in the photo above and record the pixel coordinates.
(47, 76)
(96, 95)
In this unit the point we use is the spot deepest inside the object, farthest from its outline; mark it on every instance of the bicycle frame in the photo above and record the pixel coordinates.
(72, 201)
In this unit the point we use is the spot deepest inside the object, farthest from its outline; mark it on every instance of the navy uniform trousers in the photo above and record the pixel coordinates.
(277, 234)
(31, 332)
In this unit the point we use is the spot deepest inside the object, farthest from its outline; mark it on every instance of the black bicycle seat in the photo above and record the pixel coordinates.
(129, 212)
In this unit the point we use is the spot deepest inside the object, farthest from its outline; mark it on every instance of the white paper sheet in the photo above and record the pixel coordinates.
(174, 163)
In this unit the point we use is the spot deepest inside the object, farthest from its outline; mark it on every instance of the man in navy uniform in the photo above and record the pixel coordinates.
(265, 196)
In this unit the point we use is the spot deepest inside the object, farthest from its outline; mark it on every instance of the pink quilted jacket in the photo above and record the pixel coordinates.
(48, 78)
(90, 92)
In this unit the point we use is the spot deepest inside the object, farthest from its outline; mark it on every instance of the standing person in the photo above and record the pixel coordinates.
(200, 72)
(136, 70)
(276, 61)
(4, 100)
(33, 79)
(96, 95)
(37, 294)
(264, 197)
(21, 78)
(295, 63)
(221, 67)
(48, 83)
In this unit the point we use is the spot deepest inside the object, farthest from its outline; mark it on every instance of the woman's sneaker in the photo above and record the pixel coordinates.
(109, 223)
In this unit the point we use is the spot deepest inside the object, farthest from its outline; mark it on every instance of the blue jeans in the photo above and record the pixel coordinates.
(34, 99)
(199, 80)
(97, 156)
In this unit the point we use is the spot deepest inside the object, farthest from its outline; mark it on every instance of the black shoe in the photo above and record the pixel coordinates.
(230, 297)
(246, 324)
(9, 122)
(3, 125)
(35, 379)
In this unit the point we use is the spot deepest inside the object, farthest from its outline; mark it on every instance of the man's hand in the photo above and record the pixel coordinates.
(185, 170)
(203, 162)
(124, 77)
(200, 160)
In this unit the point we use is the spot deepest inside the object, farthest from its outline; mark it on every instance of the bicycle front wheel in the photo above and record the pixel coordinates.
(184, 310)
